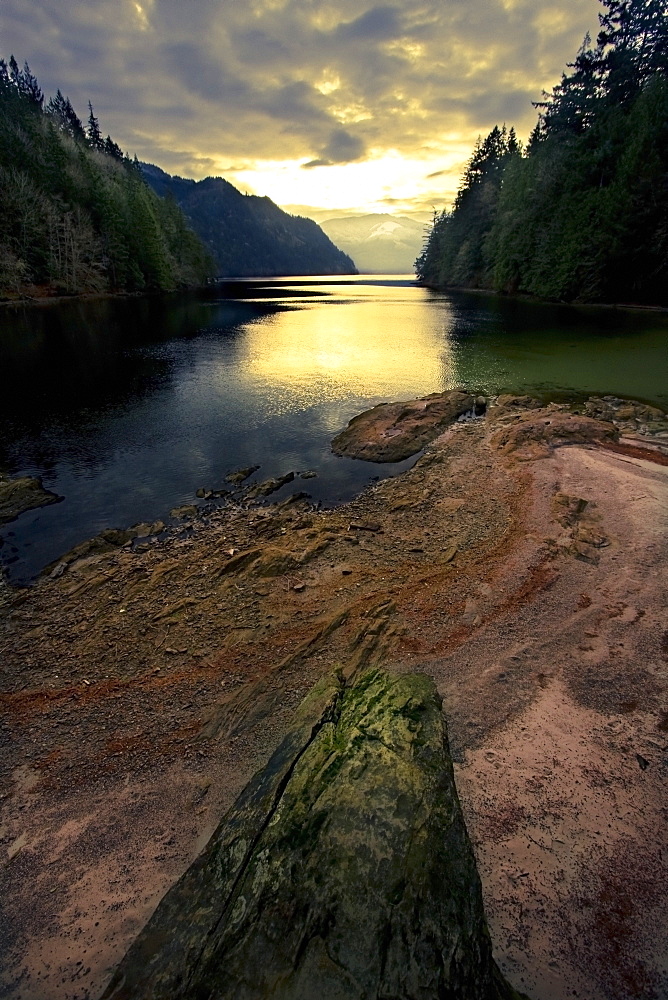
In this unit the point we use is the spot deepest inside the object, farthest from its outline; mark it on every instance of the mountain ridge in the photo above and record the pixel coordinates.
(249, 235)
(379, 243)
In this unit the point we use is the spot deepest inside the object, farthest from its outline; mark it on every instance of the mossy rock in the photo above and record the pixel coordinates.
(343, 872)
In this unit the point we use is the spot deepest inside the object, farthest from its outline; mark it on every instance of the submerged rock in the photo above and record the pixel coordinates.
(343, 871)
(241, 475)
(509, 401)
(24, 493)
(391, 432)
(184, 511)
(270, 486)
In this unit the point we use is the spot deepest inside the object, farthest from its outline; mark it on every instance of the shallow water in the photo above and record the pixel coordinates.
(126, 407)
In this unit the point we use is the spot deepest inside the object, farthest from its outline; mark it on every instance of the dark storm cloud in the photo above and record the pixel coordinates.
(203, 75)
(377, 24)
(295, 103)
(341, 148)
(258, 46)
(324, 81)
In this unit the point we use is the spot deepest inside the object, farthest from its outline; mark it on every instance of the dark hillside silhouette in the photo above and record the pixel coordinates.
(248, 235)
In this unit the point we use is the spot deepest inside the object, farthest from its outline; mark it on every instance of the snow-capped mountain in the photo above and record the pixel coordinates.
(379, 244)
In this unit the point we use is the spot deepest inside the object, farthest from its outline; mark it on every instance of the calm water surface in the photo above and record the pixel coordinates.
(125, 408)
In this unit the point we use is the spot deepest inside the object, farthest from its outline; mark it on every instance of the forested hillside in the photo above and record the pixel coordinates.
(248, 235)
(581, 213)
(77, 215)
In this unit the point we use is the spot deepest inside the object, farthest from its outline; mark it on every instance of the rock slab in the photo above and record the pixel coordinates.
(343, 872)
(391, 432)
(19, 495)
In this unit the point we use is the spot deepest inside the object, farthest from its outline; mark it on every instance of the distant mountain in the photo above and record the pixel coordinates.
(379, 244)
(248, 235)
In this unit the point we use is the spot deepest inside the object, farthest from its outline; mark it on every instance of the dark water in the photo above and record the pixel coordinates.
(125, 408)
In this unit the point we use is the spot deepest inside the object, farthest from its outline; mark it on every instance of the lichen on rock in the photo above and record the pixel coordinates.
(344, 870)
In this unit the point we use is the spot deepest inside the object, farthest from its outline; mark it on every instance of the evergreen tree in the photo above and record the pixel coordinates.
(61, 110)
(93, 134)
(634, 43)
(583, 214)
(113, 149)
(77, 215)
(571, 107)
(26, 83)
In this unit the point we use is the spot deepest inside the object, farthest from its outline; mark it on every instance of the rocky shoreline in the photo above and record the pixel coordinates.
(141, 686)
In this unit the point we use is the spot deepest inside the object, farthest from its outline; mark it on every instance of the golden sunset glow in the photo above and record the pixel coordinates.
(390, 183)
(142, 16)
(345, 107)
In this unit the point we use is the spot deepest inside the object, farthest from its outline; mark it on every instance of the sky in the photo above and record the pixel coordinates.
(329, 107)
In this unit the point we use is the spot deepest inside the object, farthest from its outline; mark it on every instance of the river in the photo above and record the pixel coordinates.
(124, 407)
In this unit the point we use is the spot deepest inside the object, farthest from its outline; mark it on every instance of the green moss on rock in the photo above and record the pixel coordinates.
(344, 870)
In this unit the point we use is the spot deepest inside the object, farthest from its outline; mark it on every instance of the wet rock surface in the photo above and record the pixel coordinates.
(109, 540)
(344, 869)
(241, 475)
(627, 412)
(270, 486)
(391, 432)
(21, 494)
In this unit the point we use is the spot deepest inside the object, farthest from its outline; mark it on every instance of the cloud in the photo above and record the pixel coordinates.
(201, 74)
(226, 83)
(342, 147)
(377, 24)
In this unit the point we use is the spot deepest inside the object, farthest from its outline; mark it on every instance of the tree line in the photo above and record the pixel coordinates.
(77, 215)
(581, 212)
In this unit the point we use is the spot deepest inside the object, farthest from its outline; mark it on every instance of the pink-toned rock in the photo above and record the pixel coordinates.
(391, 432)
(536, 433)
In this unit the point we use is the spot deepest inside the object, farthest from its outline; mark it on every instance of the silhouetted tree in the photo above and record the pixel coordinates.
(113, 149)
(583, 214)
(93, 134)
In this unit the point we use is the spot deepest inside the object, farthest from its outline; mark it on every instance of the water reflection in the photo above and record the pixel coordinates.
(504, 345)
(363, 348)
(125, 407)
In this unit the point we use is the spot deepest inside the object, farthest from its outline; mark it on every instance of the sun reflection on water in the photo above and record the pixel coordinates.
(376, 345)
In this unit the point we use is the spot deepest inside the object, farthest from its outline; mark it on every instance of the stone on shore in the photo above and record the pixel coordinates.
(344, 870)
(533, 434)
(391, 432)
(24, 493)
(109, 540)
